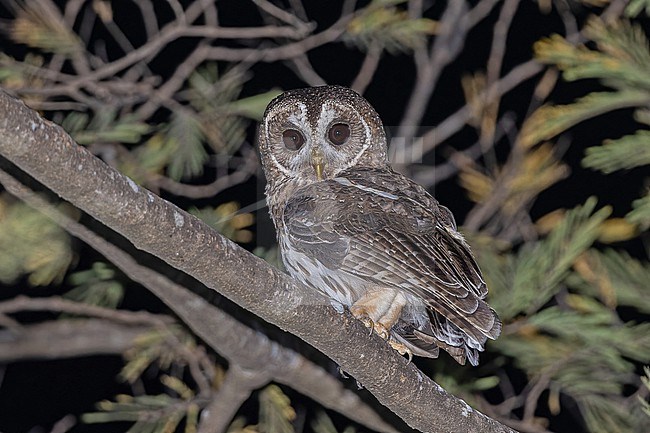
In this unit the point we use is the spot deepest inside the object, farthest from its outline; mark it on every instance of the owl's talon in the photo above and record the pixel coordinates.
(361, 315)
(381, 331)
(367, 322)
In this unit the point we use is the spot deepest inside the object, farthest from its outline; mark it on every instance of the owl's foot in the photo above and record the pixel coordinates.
(379, 310)
(380, 329)
(365, 318)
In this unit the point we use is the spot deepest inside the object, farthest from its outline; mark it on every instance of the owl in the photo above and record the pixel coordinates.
(367, 237)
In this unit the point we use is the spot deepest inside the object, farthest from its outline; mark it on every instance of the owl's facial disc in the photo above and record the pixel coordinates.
(312, 135)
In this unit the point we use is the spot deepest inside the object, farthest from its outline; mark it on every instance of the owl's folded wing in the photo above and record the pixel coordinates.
(390, 239)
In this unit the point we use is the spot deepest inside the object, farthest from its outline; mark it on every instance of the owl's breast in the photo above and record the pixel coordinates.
(306, 268)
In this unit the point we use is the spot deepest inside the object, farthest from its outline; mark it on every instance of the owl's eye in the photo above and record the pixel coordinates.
(293, 139)
(339, 133)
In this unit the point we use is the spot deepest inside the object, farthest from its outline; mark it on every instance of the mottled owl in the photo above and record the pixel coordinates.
(367, 237)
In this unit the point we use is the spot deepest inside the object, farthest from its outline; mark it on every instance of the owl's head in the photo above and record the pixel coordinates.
(312, 134)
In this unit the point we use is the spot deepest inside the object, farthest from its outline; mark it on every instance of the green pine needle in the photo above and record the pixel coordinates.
(641, 212)
(380, 25)
(616, 278)
(96, 286)
(31, 244)
(635, 7)
(532, 278)
(105, 127)
(626, 152)
(185, 140)
(622, 57)
(551, 120)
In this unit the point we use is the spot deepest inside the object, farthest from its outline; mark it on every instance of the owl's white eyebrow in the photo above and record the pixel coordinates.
(280, 167)
(346, 182)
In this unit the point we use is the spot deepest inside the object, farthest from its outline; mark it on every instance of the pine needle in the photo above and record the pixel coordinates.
(624, 153)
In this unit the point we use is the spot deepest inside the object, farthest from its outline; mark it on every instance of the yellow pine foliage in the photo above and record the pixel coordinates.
(538, 170)
(39, 24)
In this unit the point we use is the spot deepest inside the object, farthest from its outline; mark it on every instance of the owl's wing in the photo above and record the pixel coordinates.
(384, 228)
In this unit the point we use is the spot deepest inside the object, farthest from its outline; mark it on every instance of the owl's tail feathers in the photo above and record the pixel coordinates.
(466, 325)
(460, 351)
(486, 321)
(462, 334)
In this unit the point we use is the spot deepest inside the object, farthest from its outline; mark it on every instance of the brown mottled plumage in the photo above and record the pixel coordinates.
(366, 236)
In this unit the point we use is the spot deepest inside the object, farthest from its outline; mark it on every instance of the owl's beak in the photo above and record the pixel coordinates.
(318, 162)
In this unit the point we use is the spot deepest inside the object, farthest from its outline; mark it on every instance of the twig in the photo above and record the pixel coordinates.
(236, 388)
(367, 70)
(495, 60)
(210, 14)
(298, 9)
(458, 120)
(220, 184)
(431, 176)
(543, 88)
(58, 339)
(481, 10)
(539, 385)
(174, 83)
(533, 395)
(447, 45)
(9, 323)
(284, 16)
(282, 52)
(202, 372)
(306, 71)
(71, 11)
(149, 18)
(178, 11)
(64, 424)
(173, 32)
(60, 305)
(499, 193)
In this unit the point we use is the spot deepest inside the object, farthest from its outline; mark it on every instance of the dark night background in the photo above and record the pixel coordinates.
(40, 392)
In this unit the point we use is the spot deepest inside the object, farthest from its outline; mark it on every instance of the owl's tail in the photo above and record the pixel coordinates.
(462, 344)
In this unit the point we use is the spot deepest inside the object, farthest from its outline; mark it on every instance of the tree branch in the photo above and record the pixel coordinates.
(61, 305)
(446, 46)
(68, 338)
(46, 152)
(233, 392)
